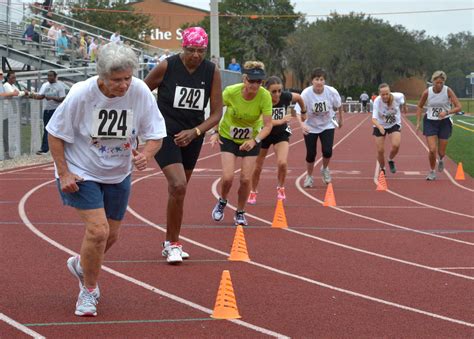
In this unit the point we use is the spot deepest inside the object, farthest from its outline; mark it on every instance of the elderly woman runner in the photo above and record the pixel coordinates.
(186, 82)
(92, 138)
(387, 120)
(441, 103)
(248, 106)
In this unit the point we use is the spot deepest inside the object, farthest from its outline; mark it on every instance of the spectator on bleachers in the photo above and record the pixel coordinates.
(92, 49)
(30, 30)
(62, 44)
(234, 65)
(53, 33)
(83, 45)
(115, 37)
(46, 24)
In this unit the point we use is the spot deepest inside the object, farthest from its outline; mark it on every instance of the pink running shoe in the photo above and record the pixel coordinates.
(281, 193)
(252, 200)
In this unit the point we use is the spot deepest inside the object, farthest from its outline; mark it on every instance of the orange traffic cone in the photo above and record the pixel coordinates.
(226, 305)
(329, 199)
(279, 218)
(239, 247)
(460, 173)
(382, 184)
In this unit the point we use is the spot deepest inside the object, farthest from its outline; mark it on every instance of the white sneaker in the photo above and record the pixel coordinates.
(173, 253)
(218, 211)
(431, 176)
(308, 181)
(326, 175)
(86, 303)
(74, 266)
(164, 252)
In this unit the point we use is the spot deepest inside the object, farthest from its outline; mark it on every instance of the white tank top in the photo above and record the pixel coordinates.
(437, 103)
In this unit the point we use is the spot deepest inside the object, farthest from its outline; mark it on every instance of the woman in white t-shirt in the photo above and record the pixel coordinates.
(322, 102)
(386, 117)
(92, 138)
(441, 103)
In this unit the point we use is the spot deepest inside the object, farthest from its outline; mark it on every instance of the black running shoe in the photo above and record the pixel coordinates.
(391, 164)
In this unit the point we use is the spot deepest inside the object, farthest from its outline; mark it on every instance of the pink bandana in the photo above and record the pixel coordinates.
(195, 36)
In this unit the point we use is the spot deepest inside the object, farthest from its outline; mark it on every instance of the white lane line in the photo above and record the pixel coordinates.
(26, 221)
(315, 282)
(408, 123)
(465, 122)
(456, 268)
(24, 169)
(20, 327)
(377, 169)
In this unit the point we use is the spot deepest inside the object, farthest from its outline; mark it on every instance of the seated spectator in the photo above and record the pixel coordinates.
(234, 66)
(30, 31)
(62, 44)
(115, 37)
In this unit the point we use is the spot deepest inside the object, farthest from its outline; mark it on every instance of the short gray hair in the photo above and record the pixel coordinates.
(115, 57)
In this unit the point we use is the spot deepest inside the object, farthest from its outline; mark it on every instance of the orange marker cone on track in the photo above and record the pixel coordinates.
(239, 247)
(329, 199)
(460, 173)
(382, 184)
(226, 305)
(279, 218)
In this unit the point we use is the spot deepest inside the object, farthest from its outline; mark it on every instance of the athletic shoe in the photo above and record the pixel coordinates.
(218, 211)
(281, 193)
(391, 164)
(326, 176)
(74, 266)
(308, 181)
(86, 303)
(252, 200)
(240, 219)
(166, 245)
(431, 176)
(440, 165)
(173, 253)
(40, 152)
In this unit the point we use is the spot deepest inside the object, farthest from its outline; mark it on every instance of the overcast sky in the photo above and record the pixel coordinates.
(435, 24)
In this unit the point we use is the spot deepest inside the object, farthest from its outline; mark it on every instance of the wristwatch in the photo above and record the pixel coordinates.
(198, 131)
(257, 140)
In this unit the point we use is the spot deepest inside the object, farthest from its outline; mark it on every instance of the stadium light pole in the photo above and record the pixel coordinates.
(215, 48)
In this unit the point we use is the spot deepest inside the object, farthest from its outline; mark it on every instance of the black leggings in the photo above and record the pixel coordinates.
(327, 141)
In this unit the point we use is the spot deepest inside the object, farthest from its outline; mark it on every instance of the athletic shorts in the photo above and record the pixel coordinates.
(275, 139)
(441, 128)
(92, 195)
(394, 128)
(232, 147)
(170, 153)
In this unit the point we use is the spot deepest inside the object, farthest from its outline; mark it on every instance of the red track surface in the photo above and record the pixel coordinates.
(381, 264)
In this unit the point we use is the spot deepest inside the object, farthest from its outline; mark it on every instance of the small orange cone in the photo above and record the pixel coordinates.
(279, 218)
(226, 305)
(329, 199)
(239, 247)
(460, 173)
(382, 184)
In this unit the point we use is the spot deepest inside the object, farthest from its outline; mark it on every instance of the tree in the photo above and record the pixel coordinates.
(116, 17)
(256, 30)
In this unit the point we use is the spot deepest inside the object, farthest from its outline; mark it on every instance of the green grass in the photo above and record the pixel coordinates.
(467, 104)
(460, 146)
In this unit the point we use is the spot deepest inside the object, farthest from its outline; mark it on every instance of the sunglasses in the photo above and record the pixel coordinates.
(275, 91)
(258, 81)
(195, 50)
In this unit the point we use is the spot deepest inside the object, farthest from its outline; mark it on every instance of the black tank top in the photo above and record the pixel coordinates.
(279, 111)
(182, 96)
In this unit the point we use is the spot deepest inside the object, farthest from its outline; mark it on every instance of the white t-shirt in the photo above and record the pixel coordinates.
(437, 103)
(55, 89)
(87, 121)
(320, 108)
(388, 116)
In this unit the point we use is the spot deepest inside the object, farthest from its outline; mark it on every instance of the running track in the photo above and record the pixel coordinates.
(381, 264)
